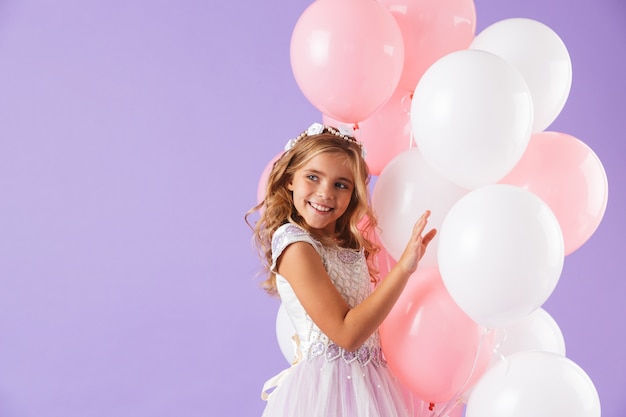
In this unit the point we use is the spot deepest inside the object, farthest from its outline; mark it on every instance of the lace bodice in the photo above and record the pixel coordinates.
(348, 271)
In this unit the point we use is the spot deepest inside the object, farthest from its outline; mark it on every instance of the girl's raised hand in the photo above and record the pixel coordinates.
(416, 247)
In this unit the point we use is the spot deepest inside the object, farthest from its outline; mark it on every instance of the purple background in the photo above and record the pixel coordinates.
(132, 137)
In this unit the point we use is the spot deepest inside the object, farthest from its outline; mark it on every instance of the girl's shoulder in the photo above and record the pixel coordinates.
(287, 234)
(290, 233)
(290, 229)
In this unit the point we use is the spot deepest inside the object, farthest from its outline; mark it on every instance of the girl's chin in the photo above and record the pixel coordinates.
(321, 227)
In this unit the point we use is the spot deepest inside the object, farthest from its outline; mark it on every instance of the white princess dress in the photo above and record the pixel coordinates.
(326, 380)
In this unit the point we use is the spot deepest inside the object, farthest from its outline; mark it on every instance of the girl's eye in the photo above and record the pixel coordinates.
(312, 177)
(341, 185)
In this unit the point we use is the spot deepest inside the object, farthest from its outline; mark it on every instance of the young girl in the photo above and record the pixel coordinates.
(312, 235)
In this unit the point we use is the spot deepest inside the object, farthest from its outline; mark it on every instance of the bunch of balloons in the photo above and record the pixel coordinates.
(455, 122)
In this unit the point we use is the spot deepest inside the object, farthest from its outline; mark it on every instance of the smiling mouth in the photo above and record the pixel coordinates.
(317, 207)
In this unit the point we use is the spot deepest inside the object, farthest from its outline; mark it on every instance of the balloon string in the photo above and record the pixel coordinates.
(449, 406)
(496, 348)
(403, 105)
(457, 398)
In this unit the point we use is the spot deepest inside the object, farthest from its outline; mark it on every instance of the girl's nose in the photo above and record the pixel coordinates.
(325, 190)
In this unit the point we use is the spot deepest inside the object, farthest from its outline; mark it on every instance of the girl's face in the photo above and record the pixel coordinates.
(322, 190)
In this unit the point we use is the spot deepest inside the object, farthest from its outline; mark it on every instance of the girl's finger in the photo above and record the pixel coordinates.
(430, 235)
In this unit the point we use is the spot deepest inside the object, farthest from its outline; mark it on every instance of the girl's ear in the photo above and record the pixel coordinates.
(290, 185)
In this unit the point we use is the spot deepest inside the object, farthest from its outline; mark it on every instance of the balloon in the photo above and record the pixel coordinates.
(540, 56)
(472, 117)
(284, 333)
(347, 57)
(500, 254)
(431, 29)
(537, 331)
(457, 411)
(385, 134)
(404, 190)
(262, 185)
(568, 176)
(431, 346)
(454, 408)
(538, 384)
(382, 261)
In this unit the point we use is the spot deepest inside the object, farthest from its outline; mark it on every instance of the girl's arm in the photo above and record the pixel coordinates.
(302, 267)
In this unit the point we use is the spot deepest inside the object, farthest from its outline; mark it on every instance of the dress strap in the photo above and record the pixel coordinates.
(274, 381)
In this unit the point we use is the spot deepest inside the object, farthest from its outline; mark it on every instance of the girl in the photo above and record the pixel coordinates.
(314, 246)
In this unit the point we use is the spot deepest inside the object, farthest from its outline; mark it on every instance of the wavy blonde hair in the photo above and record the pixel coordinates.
(278, 208)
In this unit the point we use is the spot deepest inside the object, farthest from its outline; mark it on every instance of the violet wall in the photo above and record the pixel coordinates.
(132, 137)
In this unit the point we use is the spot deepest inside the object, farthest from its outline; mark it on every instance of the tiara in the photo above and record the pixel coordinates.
(318, 128)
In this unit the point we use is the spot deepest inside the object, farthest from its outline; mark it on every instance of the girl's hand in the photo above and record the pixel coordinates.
(416, 247)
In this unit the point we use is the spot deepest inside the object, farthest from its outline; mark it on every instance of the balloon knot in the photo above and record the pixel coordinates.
(431, 406)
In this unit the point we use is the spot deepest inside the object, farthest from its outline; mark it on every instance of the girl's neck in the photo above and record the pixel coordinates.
(325, 239)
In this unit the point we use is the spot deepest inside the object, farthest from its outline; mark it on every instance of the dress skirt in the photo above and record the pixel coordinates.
(319, 388)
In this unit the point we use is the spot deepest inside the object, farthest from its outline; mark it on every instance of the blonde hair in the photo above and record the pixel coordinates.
(351, 229)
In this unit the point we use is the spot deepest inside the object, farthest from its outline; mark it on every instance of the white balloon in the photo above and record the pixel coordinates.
(284, 334)
(541, 57)
(407, 187)
(500, 254)
(471, 116)
(537, 384)
(537, 331)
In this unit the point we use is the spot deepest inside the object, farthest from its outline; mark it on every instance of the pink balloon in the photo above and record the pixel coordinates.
(457, 411)
(430, 344)
(260, 191)
(347, 56)
(381, 260)
(386, 133)
(431, 29)
(569, 177)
